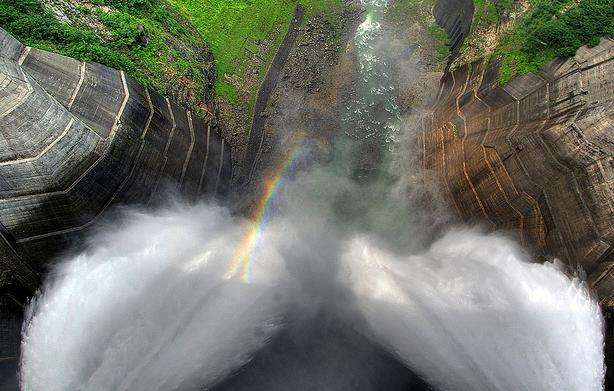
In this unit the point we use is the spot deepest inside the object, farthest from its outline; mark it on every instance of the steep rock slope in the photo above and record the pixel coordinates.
(75, 139)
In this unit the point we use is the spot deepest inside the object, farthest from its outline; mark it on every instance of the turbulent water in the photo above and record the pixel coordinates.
(153, 303)
(149, 306)
(472, 314)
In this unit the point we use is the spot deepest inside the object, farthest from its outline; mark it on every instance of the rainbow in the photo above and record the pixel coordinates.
(242, 259)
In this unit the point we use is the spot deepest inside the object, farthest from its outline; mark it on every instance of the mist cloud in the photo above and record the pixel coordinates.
(149, 305)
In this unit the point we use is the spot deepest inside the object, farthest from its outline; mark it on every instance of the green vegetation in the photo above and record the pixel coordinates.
(442, 42)
(550, 29)
(108, 32)
(242, 34)
(236, 30)
(504, 6)
(34, 25)
(486, 14)
(403, 13)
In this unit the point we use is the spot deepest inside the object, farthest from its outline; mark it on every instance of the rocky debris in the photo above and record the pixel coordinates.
(416, 66)
(318, 49)
(235, 116)
(80, 13)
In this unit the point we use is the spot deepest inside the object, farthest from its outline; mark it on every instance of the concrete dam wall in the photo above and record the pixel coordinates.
(75, 139)
(533, 157)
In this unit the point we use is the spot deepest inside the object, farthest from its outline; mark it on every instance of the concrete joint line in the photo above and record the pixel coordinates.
(119, 114)
(24, 55)
(174, 124)
(44, 151)
(103, 155)
(151, 113)
(202, 173)
(21, 98)
(71, 101)
(219, 169)
(190, 149)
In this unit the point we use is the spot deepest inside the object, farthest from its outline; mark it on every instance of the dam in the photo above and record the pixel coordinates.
(340, 269)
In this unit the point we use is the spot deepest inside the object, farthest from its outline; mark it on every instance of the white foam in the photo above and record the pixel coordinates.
(148, 309)
(473, 314)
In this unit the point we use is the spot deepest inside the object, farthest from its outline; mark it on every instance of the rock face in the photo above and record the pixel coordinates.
(77, 138)
(455, 16)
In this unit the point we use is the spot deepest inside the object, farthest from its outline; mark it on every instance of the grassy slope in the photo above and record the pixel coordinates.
(233, 28)
(549, 29)
(169, 62)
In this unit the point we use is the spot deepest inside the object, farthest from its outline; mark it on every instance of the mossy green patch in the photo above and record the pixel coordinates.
(486, 13)
(108, 31)
(550, 29)
(235, 29)
(442, 42)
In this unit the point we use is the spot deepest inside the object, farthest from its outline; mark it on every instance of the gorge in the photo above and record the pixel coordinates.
(352, 270)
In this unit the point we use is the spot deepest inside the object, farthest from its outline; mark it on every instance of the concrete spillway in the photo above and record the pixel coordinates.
(75, 139)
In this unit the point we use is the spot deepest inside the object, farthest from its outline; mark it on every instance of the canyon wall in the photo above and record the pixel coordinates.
(76, 139)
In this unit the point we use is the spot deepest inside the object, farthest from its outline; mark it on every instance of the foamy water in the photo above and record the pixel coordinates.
(473, 314)
(150, 307)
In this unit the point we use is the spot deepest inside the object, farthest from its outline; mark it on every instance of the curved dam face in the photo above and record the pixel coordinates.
(79, 137)
(75, 139)
(533, 158)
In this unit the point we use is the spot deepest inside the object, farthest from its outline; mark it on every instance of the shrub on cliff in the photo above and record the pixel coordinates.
(553, 28)
(145, 38)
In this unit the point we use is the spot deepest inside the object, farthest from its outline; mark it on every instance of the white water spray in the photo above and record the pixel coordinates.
(473, 314)
(149, 306)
